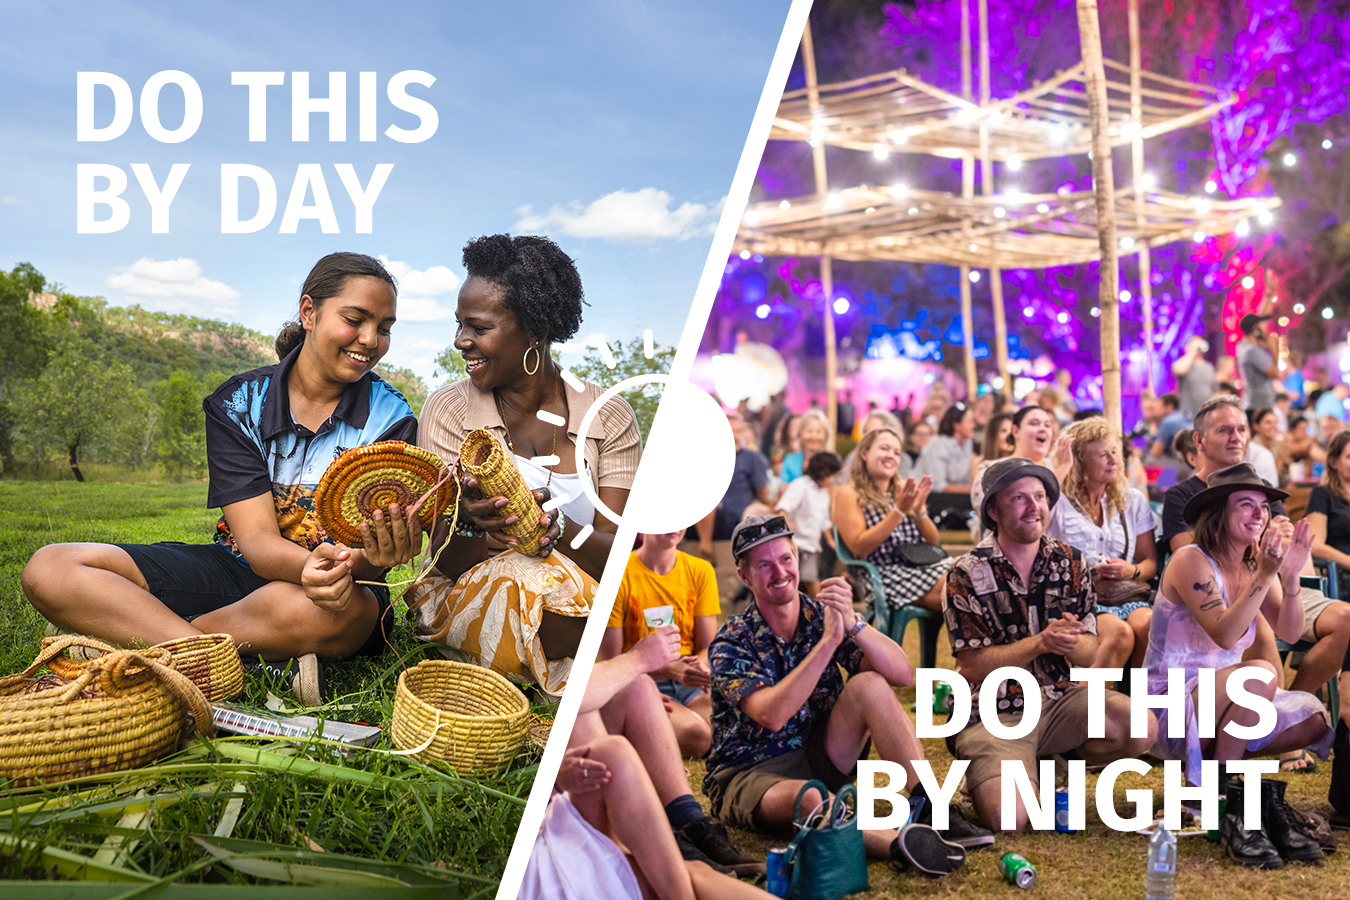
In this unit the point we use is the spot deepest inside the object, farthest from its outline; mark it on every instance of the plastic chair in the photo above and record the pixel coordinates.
(1326, 584)
(893, 622)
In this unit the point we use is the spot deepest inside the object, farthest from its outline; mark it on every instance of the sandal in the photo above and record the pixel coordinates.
(1289, 764)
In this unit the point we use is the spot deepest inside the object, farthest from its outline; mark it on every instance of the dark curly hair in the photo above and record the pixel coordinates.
(327, 279)
(540, 283)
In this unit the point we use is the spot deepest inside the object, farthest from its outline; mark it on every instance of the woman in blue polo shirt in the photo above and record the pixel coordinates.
(269, 579)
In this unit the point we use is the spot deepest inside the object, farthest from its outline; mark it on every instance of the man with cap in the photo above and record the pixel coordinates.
(784, 714)
(1021, 599)
(1256, 354)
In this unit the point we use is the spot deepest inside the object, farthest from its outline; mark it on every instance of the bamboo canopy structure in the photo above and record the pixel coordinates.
(1089, 108)
(899, 112)
(1027, 231)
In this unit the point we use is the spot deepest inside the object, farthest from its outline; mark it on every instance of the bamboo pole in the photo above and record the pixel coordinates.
(1089, 33)
(967, 191)
(987, 185)
(1140, 200)
(826, 264)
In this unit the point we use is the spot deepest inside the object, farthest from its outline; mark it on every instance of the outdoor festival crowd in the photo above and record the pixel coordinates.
(1208, 536)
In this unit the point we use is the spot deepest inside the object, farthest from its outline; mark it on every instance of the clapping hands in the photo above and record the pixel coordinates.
(911, 496)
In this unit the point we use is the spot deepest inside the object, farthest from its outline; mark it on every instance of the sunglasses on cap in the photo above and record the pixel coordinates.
(752, 534)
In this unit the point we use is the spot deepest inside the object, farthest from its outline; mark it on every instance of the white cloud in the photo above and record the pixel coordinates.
(418, 290)
(174, 285)
(584, 345)
(12, 201)
(643, 215)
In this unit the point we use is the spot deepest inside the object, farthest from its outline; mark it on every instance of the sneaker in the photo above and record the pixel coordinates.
(710, 837)
(1281, 824)
(1246, 848)
(692, 854)
(922, 848)
(307, 676)
(959, 830)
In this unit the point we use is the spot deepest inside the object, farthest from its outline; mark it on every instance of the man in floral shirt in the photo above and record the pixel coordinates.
(783, 713)
(1021, 599)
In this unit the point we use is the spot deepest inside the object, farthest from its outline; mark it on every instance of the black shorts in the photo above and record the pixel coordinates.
(194, 579)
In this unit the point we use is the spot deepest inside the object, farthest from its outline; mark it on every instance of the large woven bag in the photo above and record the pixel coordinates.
(482, 456)
(210, 661)
(114, 712)
(475, 719)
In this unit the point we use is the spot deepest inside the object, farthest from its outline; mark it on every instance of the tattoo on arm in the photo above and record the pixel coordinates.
(1209, 587)
(1211, 604)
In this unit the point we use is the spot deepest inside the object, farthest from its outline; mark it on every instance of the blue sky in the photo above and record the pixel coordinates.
(613, 127)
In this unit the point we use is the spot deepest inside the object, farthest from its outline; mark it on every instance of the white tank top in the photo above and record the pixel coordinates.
(577, 507)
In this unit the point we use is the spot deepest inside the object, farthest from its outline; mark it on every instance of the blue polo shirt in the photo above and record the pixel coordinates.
(254, 446)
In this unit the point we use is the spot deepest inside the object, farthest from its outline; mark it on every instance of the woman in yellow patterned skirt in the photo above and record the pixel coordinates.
(523, 615)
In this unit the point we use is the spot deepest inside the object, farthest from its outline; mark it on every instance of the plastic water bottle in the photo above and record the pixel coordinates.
(1161, 874)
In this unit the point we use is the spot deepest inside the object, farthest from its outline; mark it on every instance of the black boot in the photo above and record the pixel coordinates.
(1339, 794)
(1246, 848)
(1281, 825)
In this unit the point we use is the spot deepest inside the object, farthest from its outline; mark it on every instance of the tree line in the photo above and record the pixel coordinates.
(87, 382)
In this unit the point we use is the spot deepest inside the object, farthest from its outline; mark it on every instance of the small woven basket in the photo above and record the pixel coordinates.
(364, 479)
(479, 718)
(114, 712)
(482, 456)
(211, 661)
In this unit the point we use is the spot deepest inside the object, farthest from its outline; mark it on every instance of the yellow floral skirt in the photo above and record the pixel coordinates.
(491, 615)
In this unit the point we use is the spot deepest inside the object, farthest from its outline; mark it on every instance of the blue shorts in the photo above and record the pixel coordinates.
(680, 693)
(1124, 610)
(194, 579)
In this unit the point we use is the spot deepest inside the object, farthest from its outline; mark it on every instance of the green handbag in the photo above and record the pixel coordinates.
(826, 863)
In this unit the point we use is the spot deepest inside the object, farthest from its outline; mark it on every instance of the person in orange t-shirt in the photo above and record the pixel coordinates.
(662, 586)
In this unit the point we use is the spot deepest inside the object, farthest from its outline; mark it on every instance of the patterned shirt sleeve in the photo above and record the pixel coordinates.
(966, 624)
(736, 667)
(1086, 593)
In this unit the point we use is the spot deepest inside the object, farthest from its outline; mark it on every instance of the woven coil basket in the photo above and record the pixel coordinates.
(364, 479)
(117, 711)
(210, 661)
(482, 456)
(480, 719)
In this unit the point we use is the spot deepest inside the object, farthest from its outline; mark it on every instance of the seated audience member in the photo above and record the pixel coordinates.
(814, 437)
(1112, 526)
(885, 521)
(876, 419)
(998, 440)
(1172, 421)
(917, 438)
(948, 459)
(749, 485)
(1302, 446)
(1242, 566)
(1258, 454)
(806, 503)
(1332, 402)
(1183, 446)
(662, 586)
(602, 834)
(1021, 599)
(1328, 515)
(1221, 442)
(1328, 427)
(1033, 437)
(783, 712)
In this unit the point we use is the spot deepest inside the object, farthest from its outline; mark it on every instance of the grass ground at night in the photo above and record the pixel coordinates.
(1099, 863)
(416, 824)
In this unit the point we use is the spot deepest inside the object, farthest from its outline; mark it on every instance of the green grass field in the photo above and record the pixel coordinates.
(399, 821)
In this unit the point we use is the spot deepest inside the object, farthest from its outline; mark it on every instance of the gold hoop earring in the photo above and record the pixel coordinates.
(538, 360)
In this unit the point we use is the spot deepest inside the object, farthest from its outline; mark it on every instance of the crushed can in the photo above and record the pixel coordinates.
(1017, 870)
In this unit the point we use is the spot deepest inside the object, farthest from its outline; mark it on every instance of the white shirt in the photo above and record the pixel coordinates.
(808, 505)
(1263, 461)
(1098, 543)
(576, 506)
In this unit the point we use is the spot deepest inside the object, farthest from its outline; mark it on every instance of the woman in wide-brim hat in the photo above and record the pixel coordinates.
(1242, 565)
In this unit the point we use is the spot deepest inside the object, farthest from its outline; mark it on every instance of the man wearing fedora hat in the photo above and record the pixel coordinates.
(784, 714)
(1021, 599)
(1221, 437)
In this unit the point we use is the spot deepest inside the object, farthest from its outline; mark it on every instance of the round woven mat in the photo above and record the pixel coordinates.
(364, 479)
